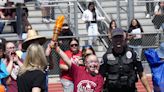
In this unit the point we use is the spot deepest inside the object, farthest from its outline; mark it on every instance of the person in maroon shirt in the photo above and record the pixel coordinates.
(87, 78)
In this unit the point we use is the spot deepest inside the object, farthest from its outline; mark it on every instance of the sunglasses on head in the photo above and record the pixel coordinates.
(87, 46)
(87, 54)
(72, 45)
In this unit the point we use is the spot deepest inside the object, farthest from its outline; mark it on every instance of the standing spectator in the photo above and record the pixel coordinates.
(149, 8)
(26, 24)
(46, 13)
(112, 26)
(32, 77)
(73, 54)
(91, 17)
(3, 69)
(87, 78)
(120, 66)
(66, 31)
(135, 36)
(13, 63)
(10, 14)
(159, 11)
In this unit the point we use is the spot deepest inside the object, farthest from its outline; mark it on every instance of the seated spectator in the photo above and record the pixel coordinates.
(10, 14)
(66, 31)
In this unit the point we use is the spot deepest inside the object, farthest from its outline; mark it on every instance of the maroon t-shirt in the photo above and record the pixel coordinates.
(85, 82)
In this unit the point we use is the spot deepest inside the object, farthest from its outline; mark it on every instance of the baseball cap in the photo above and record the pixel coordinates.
(117, 31)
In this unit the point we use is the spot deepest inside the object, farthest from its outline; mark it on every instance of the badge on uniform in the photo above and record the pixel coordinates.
(129, 54)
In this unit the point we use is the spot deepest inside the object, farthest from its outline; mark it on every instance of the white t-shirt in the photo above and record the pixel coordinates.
(88, 16)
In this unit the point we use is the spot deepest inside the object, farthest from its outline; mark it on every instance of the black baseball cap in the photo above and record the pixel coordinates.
(117, 31)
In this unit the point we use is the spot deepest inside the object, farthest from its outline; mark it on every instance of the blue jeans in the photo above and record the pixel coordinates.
(67, 85)
(2, 24)
(138, 51)
(162, 26)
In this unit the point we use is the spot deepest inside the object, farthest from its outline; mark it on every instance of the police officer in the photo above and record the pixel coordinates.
(120, 66)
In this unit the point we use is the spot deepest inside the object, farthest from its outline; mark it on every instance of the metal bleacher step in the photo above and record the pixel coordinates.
(10, 36)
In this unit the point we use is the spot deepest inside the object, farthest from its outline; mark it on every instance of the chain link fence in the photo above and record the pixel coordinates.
(149, 40)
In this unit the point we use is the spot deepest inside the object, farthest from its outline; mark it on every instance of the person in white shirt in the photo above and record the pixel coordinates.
(159, 10)
(91, 17)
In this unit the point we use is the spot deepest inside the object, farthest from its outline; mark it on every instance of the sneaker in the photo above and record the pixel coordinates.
(45, 20)
(51, 20)
(147, 15)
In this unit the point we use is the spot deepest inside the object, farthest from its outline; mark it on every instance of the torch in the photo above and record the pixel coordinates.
(57, 27)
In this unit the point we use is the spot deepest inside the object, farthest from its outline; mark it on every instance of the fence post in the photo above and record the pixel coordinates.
(75, 18)
(118, 14)
(19, 19)
(130, 10)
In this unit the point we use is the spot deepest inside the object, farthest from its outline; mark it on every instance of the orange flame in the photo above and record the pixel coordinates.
(57, 27)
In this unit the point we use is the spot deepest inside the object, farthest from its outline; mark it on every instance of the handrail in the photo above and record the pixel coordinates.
(58, 1)
(56, 5)
(104, 13)
(80, 7)
(3, 7)
(7, 20)
(144, 1)
(123, 9)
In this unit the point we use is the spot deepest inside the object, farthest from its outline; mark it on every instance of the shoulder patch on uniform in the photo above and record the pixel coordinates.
(129, 54)
(110, 57)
